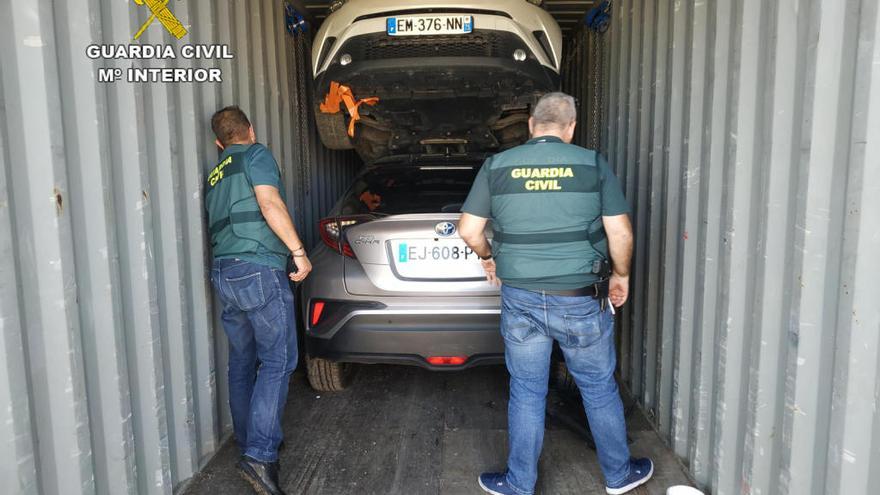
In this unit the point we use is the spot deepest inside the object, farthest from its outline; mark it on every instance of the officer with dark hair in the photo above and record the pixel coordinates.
(558, 214)
(252, 238)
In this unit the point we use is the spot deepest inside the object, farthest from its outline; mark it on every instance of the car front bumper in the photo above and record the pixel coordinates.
(440, 77)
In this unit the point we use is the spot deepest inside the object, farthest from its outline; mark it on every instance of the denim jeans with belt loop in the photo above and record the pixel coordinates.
(259, 320)
(530, 322)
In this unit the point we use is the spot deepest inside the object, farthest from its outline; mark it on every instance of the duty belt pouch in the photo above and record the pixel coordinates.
(602, 268)
(601, 290)
(602, 294)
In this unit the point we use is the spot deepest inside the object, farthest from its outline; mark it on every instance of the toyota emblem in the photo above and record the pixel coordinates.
(444, 229)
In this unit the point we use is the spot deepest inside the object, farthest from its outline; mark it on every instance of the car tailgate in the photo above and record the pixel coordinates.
(411, 255)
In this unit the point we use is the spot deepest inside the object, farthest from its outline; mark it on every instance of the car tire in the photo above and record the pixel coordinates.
(564, 382)
(562, 378)
(371, 143)
(513, 135)
(328, 376)
(333, 131)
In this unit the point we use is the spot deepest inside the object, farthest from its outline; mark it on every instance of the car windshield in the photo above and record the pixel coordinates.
(411, 189)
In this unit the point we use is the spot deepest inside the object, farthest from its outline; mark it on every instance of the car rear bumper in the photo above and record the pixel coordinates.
(409, 336)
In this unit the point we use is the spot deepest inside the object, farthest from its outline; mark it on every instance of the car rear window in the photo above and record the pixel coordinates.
(413, 189)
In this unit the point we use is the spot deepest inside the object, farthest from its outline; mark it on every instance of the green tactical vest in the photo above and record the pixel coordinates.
(234, 218)
(547, 214)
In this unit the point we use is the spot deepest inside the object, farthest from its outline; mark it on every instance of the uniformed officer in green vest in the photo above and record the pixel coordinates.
(252, 238)
(561, 247)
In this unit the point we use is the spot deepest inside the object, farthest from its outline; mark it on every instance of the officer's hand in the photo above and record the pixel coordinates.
(618, 290)
(303, 268)
(489, 268)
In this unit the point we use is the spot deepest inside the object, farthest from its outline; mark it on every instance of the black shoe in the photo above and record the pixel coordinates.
(263, 476)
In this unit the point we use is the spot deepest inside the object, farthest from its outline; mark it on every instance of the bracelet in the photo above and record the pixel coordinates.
(299, 255)
(298, 249)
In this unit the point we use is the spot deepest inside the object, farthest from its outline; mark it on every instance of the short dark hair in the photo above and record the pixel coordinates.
(230, 124)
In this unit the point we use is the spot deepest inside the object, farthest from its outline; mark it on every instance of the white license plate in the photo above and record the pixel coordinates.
(430, 24)
(440, 259)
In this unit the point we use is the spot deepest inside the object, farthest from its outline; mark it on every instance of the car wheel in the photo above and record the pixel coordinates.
(371, 143)
(333, 131)
(328, 376)
(513, 135)
(564, 382)
(563, 379)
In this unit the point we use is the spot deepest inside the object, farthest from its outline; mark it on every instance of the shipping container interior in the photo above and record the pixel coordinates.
(742, 131)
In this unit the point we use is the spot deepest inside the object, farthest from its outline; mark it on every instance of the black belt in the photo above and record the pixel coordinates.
(594, 237)
(599, 290)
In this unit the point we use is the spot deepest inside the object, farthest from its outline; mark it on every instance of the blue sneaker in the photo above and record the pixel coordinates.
(496, 484)
(640, 471)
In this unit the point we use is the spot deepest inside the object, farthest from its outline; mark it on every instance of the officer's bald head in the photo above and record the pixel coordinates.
(554, 115)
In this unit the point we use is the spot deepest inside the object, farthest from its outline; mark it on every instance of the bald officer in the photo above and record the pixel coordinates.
(560, 222)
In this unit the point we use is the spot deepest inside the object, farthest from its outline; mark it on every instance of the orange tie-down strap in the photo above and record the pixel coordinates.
(340, 93)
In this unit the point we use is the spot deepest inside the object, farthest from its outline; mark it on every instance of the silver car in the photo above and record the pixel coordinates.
(392, 280)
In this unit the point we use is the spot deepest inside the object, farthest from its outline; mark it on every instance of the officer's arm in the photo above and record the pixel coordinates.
(620, 246)
(471, 230)
(275, 212)
(620, 243)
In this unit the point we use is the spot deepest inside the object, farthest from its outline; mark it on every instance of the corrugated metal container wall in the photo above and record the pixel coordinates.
(109, 364)
(583, 77)
(747, 135)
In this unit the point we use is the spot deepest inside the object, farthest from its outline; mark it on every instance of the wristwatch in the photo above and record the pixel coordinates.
(487, 258)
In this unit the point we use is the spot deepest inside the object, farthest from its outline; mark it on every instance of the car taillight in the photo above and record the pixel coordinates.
(317, 311)
(333, 232)
(447, 360)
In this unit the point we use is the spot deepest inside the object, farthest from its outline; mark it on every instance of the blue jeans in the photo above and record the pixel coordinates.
(258, 316)
(530, 322)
